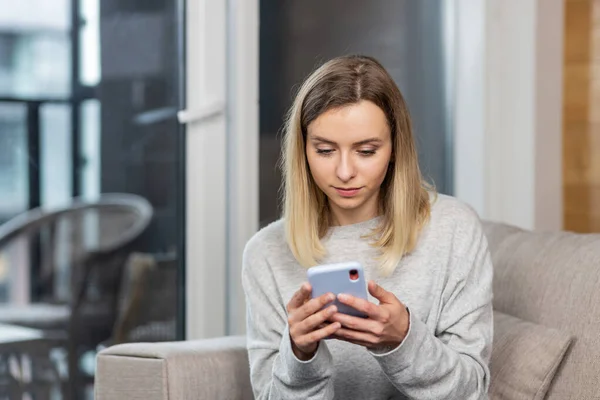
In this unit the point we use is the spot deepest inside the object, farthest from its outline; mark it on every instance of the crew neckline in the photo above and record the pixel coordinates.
(359, 227)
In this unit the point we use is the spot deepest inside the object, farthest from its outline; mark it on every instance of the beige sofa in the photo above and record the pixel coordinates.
(547, 341)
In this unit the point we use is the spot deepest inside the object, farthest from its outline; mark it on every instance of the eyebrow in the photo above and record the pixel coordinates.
(362, 142)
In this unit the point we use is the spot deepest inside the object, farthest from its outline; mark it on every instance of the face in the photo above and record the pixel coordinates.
(349, 150)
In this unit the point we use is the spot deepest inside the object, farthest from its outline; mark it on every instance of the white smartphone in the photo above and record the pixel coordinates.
(339, 278)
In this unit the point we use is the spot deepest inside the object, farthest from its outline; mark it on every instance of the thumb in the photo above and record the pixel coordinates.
(380, 293)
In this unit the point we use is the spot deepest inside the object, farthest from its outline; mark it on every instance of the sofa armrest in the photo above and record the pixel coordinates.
(200, 369)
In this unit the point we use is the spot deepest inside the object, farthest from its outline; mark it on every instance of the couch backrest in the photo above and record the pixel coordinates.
(553, 278)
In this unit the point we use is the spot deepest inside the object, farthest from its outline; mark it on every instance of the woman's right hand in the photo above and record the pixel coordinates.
(304, 319)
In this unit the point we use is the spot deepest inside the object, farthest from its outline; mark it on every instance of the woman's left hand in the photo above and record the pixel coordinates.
(387, 323)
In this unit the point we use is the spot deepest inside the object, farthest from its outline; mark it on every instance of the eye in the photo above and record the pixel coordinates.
(325, 152)
(366, 153)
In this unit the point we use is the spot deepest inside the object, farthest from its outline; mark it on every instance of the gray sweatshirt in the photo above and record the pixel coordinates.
(446, 282)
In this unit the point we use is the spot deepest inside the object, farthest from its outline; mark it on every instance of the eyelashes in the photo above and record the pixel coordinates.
(329, 152)
(366, 153)
(324, 152)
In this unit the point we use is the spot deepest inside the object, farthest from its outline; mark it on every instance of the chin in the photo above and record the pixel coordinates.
(347, 203)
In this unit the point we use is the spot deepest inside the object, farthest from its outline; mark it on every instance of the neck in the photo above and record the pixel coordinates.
(342, 216)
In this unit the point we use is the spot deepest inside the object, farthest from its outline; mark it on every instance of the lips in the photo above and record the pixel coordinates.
(347, 192)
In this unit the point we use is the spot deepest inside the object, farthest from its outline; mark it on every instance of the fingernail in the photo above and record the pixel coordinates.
(343, 297)
(332, 309)
(331, 297)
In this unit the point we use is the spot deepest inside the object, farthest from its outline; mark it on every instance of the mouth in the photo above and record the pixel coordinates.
(347, 192)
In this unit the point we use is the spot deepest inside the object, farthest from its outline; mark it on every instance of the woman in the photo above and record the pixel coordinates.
(354, 192)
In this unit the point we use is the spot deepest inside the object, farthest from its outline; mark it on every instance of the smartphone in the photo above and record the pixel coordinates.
(339, 278)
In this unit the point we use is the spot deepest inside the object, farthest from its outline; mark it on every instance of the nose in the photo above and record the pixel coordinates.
(345, 169)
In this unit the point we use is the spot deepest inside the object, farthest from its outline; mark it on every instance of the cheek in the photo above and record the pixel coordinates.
(316, 166)
(377, 170)
(379, 173)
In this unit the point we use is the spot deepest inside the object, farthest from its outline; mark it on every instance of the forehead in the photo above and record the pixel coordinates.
(351, 123)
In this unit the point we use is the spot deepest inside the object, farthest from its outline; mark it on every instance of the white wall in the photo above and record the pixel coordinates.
(205, 171)
(548, 115)
(222, 161)
(509, 103)
(470, 107)
(243, 149)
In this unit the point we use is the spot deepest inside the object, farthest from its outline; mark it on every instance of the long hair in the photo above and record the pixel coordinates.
(404, 196)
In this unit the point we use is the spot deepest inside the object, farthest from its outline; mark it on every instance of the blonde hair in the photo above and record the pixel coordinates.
(404, 196)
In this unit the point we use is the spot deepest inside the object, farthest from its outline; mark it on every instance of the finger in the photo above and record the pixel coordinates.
(380, 293)
(300, 297)
(313, 306)
(358, 324)
(318, 335)
(362, 305)
(317, 320)
(323, 325)
(365, 338)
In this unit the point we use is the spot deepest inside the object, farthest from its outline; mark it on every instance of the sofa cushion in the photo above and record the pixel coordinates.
(525, 357)
(552, 279)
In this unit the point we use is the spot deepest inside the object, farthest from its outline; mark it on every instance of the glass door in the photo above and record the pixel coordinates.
(89, 95)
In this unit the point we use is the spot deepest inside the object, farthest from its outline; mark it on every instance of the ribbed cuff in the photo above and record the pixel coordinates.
(402, 356)
(317, 367)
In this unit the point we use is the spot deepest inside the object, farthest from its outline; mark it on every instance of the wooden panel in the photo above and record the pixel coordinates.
(581, 116)
(581, 223)
(576, 91)
(581, 166)
(577, 30)
(580, 199)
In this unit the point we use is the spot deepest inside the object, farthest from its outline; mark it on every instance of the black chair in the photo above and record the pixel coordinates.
(78, 253)
(148, 300)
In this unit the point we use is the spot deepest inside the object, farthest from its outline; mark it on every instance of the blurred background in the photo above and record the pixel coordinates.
(408, 37)
(89, 91)
(139, 143)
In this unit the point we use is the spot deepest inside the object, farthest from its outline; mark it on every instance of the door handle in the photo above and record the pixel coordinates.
(201, 114)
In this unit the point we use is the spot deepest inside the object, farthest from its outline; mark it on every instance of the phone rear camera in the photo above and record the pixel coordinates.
(353, 274)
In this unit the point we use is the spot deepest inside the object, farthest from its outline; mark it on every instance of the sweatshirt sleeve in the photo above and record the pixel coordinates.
(453, 362)
(275, 372)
